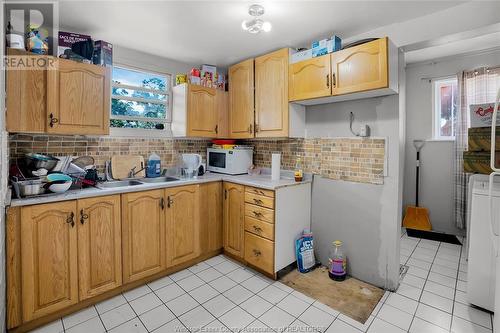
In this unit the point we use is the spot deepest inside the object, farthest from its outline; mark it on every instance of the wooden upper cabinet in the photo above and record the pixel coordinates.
(241, 100)
(310, 79)
(234, 223)
(271, 94)
(143, 234)
(78, 98)
(222, 102)
(202, 112)
(49, 258)
(26, 99)
(99, 245)
(360, 68)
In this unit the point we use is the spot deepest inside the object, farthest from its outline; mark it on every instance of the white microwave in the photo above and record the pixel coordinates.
(230, 161)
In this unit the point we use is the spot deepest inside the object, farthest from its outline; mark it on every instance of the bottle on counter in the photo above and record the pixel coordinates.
(299, 174)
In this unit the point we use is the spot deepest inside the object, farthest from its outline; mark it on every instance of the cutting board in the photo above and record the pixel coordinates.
(122, 164)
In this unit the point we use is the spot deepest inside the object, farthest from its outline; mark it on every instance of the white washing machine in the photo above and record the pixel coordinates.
(481, 253)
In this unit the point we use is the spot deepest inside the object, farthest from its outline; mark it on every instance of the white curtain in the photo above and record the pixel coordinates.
(477, 86)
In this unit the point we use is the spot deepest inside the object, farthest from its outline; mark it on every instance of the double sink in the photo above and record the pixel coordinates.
(134, 182)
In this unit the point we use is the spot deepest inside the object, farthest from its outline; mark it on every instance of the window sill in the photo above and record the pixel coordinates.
(441, 140)
(140, 133)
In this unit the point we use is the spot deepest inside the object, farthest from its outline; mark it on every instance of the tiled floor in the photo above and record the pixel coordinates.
(219, 294)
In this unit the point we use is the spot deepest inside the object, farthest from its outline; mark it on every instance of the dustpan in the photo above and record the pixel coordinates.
(417, 217)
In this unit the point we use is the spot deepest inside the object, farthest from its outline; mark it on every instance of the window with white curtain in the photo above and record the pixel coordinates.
(445, 105)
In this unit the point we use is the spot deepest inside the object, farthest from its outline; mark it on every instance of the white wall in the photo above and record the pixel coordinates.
(436, 191)
(364, 216)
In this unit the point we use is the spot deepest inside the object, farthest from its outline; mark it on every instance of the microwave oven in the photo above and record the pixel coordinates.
(230, 161)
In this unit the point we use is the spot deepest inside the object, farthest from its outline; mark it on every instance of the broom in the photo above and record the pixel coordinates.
(417, 217)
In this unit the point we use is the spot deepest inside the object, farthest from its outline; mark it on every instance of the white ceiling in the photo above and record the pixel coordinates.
(210, 31)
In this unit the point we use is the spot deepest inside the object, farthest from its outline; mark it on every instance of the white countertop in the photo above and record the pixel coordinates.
(262, 181)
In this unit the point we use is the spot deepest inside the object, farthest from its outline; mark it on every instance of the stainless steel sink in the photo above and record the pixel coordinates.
(119, 183)
(159, 180)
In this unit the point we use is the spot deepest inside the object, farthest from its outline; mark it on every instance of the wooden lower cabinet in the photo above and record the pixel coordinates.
(49, 258)
(211, 217)
(143, 234)
(259, 252)
(183, 224)
(234, 225)
(99, 245)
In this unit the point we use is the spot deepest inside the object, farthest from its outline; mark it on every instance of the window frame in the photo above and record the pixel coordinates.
(437, 83)
(141, 132)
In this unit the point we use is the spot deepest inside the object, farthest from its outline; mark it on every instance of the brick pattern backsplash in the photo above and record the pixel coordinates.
(349, 159)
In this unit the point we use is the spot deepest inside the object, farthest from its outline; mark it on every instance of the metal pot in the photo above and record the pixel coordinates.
(30, 187)
(37, 161)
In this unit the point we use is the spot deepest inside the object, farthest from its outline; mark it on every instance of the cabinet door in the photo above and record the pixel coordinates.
(78, 98)
(223, 114)
(241, 100)
(271, 94)
(360, 68)
(211, 211)
(310, 79)
(49, 258)
(99, 245)
(202, 111)
(183, 223)
(234, 224)
(26, 97)
(143, 234)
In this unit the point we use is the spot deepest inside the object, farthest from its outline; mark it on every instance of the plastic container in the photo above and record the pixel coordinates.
(304, 251)
(153, 168)
(337, 261)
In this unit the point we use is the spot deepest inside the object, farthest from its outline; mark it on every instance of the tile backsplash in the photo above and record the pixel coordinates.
(350, 159)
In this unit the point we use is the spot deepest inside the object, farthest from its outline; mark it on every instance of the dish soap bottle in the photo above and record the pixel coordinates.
(338, 263)
(298, 170)
(154, 166)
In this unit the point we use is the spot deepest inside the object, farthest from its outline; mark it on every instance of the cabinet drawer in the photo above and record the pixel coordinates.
(259, 228)
(260, 213)
(259, 191)
(259, 252)
(259, 200)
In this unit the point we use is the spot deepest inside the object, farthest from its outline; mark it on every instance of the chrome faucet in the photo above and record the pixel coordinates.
(132, 172)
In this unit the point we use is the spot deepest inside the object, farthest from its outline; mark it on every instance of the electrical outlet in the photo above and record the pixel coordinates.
(364, 130)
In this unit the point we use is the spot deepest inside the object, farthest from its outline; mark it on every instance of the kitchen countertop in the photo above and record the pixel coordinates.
(261, 181)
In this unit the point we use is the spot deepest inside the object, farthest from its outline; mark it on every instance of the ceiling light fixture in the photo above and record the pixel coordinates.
(255, 24)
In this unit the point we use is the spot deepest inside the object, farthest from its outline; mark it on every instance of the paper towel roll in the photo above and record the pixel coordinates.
(275, 166)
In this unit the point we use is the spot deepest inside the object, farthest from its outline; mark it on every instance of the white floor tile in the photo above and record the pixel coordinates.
(421, 326)
(439, 289)
(255, 284)
(326, 308)
(462, 276)
(423, 257)
(136, 293)
(256, 306)
(409, 291)
(216, 327)
(172, 326)
(356, 324)
(170, 292)
(380, 326)
(462, 285)
(446, 263)
(443, 280)
(444, 271)
(209, 274)
(239, 275)
(236, 318)
(226, 267)
(53, 327)
(238, 294)
(434, 316)
(395, 316)
(461, 297)
(93, 325)
(418, 272)
(414, 281)
(160, 283)
(303, 297)
(272, 294)
(79, 317)
(293, 305)
(182, 304)
(222, 284)
(145, 303)
(215, 260)
(181, 275)
(339, 326)
(190, 282)
(437, 301)
(317, 318)
(460, 325)
(276, 318)
(403, 303)
(132, 326)
(156, 317)
(219, 305)
(472, 314)
(199, 267)
(110, 304)
(196, 319)
(203, 293)
(117, 316)
(257, 326)
(283, 287)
